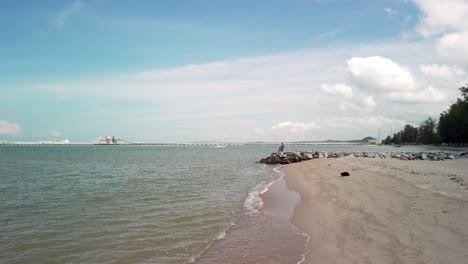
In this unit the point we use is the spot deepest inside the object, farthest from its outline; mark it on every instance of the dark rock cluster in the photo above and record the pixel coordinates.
(297, 156)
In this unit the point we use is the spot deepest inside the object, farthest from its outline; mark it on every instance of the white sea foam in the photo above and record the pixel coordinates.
(254, 203)
(306, 247)
(221, 235)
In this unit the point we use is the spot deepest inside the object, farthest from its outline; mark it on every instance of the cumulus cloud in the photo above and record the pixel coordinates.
(342, 127)
(347, 98)
(246, 96)
(443, 71)
(7, 128)
(295, 127)
(454, 46)
(447, 21)
(381, 74)
(340, 89)
(386, 78)
(442, 16)
(427, 94)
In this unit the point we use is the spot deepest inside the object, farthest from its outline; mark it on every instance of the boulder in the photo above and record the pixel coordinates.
(452, 157)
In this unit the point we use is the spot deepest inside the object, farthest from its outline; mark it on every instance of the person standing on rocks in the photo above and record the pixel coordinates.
(281, 148)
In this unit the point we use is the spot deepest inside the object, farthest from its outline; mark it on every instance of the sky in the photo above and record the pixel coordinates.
(222, 70)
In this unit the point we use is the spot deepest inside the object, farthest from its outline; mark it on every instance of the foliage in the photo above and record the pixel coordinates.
(409, 134)
(452, 127)
(388, 140)
(453, 123)
(427, 132)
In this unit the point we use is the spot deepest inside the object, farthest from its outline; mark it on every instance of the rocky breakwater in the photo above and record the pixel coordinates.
(298, 156)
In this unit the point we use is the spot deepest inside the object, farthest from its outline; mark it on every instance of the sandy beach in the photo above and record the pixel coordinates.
(386, 211)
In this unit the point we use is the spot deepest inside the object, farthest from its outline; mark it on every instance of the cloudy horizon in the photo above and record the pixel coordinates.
(223, 71)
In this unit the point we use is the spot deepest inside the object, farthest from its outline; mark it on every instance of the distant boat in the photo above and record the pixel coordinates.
(398, 146)
(220, 146)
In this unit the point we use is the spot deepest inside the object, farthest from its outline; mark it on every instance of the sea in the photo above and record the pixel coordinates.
(148, 204)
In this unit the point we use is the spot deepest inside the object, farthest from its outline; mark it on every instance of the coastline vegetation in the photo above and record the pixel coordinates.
(450, 129)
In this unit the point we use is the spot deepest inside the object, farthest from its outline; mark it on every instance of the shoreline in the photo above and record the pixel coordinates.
(387, 211)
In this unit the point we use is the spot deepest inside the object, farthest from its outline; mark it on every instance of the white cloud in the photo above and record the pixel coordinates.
(347, 98)
(380, 74)
(454, 46)
(65, 14)
(245, 96)
(368, 101)
(327, 34)
(442, 16)
(56, 133)
(428, 94)
(340, 89)
(447, 22)
(391, 12)
(389, 80)
(296, 127)
(444, 72)
(340, 127)
(7, 128)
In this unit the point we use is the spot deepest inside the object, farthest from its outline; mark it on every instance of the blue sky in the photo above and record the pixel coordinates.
(226, 70)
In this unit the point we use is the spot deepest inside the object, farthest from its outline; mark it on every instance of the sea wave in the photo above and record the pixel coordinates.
(254, 203)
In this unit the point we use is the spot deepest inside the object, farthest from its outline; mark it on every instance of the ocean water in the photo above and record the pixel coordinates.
(147, 204)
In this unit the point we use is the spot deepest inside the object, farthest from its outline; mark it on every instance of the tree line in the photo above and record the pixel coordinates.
(451, 128)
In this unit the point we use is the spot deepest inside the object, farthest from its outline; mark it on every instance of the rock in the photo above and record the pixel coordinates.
(324, 154)
(298, 156)
(345, 173)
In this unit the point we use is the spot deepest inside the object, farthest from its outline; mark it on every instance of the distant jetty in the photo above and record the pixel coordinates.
(298, 156)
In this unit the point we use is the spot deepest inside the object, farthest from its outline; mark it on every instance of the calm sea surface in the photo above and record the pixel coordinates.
(137, 204)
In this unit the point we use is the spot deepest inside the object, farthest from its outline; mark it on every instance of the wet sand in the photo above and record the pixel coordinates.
(264, 237)
(387, 211)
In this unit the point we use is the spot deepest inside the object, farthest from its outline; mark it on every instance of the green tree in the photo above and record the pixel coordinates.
(409, 134)
(453, 123)
(464, 92)
(388, 140)
(427, 132)
(396, 138)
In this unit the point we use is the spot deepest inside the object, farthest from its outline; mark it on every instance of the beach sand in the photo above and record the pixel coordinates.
(386, 211)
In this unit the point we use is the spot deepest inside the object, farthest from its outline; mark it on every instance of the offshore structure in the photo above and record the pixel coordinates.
(110, 141)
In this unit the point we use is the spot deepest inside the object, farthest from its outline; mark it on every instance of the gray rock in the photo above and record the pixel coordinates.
(423, 156)
(452, 157)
